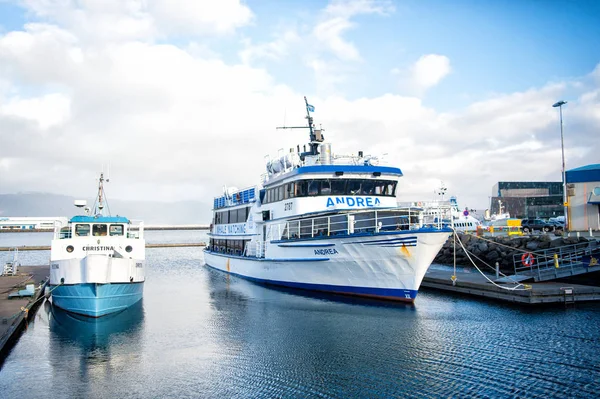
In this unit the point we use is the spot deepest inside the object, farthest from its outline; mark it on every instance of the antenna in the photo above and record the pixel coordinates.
(100, 199)
(314, 138)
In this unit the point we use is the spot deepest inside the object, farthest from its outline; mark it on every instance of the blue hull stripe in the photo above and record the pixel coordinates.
(397, 294)
(390, 240)
(305, 245)
(374, 235)
(411, 242)
(95, 300)
(267, 259)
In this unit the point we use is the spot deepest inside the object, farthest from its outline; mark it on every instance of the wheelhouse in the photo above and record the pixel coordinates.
(101, 226)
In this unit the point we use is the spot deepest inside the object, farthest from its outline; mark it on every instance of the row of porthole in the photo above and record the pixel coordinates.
(70, 248)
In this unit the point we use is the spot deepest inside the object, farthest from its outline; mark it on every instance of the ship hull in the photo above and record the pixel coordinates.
(97, 284)
(385, 266)
(96, 300)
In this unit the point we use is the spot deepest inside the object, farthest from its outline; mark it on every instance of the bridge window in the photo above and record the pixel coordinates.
(82, 230)
(99, 229)
(115, 230)
(313, 187)
(338, 186)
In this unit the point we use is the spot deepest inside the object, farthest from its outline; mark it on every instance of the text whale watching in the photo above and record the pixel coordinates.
(329, 223)
(97, 261)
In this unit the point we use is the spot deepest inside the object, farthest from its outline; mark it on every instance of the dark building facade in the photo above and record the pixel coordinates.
(528, 199)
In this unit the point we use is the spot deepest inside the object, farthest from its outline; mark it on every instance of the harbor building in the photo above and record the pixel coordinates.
(528, 199)
(583, 192)
(30, 223)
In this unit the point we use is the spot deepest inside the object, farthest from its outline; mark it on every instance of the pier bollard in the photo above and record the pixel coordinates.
(497, 270)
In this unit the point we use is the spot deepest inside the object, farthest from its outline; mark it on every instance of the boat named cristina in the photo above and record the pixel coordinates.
(97, 261)
(327, 223)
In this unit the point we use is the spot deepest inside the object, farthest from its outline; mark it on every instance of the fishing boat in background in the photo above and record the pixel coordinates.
(97, 261)
(327, 223)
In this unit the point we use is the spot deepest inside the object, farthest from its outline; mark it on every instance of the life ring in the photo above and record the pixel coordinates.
(527, 259)
(419, 204)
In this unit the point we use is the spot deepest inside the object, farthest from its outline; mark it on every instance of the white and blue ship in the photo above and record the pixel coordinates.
(327, 223)
(97, 262)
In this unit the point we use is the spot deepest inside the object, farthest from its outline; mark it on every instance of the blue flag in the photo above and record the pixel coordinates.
(310, 108)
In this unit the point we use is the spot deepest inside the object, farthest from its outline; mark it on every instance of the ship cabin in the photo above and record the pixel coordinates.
(97, 226)
(232, 225)
(310, 202)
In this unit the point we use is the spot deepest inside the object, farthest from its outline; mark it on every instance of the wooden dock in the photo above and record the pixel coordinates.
(16, 312)
(47, 247)
(540, 293)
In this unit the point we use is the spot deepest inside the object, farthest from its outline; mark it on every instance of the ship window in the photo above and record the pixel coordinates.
(353, 187)
(280, 193)
(99, 229)
(291, 190)
(313, 188)
(325, 187)
(367, 187)
(82, 230)
(116, 230)
(225, 217)
(338, 186)
(301, 188)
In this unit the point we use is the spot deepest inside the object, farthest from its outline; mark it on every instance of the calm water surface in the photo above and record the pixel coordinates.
(199, 333)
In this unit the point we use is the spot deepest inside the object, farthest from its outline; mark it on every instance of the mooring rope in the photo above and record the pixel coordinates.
(468, 253)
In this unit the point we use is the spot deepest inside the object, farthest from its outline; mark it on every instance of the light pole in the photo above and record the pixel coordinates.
(559, 104)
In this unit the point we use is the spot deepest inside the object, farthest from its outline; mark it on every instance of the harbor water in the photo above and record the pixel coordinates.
(199, 333)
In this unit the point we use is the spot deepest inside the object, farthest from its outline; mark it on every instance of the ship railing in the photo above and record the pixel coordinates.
(255, 249)
(136, 230)
(361, 222)
(61, 230)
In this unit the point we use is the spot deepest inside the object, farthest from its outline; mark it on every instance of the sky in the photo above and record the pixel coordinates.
(180, 98)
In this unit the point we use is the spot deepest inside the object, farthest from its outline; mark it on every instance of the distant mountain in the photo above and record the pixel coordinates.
(151, 212)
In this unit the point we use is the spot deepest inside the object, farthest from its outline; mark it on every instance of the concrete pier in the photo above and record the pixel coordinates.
(475, 284)
(16, 312)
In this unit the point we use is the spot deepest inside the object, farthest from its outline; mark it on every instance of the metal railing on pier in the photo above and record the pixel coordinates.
(553, 263)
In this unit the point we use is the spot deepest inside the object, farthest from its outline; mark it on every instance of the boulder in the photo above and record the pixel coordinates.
(492, 256)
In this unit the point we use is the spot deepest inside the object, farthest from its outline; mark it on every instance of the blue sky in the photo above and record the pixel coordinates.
(494, 46)
(442, 86)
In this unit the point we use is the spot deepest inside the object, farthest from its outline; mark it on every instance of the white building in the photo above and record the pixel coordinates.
(30, 223)
(583, 190)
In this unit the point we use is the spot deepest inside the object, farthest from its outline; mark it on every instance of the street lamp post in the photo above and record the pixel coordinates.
(559, 104)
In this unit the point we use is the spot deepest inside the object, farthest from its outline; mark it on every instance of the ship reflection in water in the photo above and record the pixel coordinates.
(94, 347)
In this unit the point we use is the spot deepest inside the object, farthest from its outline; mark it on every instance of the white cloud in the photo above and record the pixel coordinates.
(336, 21)
(274, 50)
(199, 17)
(430, 69)
(47, 111)
(177, 122)
(102, 20)
(424, 74)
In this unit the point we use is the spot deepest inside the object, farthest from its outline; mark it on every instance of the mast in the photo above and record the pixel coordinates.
(314, 140)
(99, 205)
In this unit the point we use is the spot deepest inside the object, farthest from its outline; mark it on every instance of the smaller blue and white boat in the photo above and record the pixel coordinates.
(97, 261)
